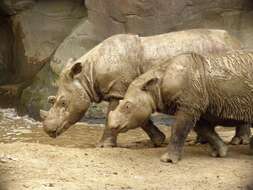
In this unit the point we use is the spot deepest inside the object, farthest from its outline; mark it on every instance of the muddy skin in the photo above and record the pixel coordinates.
(242, 136)
(102, 74)
(206, 130)
(198, 91)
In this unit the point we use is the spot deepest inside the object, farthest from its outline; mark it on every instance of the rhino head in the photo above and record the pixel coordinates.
(69, 105)
(134, 110)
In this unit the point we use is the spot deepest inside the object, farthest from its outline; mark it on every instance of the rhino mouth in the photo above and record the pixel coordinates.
(120, 128)
(59, 130)
(64, 128)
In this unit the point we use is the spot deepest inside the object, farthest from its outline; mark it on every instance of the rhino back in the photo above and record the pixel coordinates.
(229, 82)
(116, 64)
(121, 58)
(157, 49)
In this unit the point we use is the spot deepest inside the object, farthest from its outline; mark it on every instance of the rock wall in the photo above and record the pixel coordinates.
(6, 44)
(38, 37)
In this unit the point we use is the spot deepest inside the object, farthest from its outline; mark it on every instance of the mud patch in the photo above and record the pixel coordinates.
(42, 167)
(30, 160)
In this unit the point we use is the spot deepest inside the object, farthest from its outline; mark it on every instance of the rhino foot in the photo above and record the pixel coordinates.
(108, 143)
(200, 140)
(219, 152)
(236, 140)
(158, 140)
(168, 157)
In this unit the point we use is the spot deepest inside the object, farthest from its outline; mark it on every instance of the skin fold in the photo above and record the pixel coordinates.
(199, 91)
(106, 71)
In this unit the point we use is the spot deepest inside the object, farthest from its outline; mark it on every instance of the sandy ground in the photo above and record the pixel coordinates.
(69, 163)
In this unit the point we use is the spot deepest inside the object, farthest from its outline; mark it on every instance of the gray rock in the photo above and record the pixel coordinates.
(34, 97)
(160, 16)
(75, 45)
(6, 42)
(39, 31)
(11, 7)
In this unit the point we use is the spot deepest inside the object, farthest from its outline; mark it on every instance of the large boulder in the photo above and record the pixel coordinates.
(246, 29)
(6, 43)
(35, 96)
(79, 42)
(39, 31)
(12, 7)
(157, 16)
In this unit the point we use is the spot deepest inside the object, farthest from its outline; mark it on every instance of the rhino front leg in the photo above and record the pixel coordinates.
(179, 131)
(109, 139)
(242, 135)
(156, 136)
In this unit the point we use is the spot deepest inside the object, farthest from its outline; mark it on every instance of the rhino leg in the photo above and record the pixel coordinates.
(156, 136)
(251, 145)
(242, 135)
(206, 130)
(200, 140)
(179, 131)
(109, 139)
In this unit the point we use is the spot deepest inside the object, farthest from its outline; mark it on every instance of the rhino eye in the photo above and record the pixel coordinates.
(63, 104)
(128, 105)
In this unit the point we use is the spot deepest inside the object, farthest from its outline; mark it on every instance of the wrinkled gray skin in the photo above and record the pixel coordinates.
(201, 91)
(106, 71)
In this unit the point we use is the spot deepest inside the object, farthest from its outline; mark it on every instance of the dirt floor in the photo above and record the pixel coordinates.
(72, 163)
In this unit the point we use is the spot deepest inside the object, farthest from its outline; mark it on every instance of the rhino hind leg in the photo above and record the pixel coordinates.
(218, 147)
(156, 136)
(242, 135)
(200, 140)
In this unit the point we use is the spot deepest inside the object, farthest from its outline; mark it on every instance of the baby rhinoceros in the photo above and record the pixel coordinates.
(200, 91)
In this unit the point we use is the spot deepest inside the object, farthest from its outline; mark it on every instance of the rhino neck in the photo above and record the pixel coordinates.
(88, 82)
(154, 91)
(157, 105)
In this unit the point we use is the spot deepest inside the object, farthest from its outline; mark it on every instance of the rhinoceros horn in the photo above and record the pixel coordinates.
(43, 114)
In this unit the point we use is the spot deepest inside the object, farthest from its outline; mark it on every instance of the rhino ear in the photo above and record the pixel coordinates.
(75, 69)
(150, 84)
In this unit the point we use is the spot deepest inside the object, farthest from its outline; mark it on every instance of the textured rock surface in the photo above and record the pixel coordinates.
(11, 7)
(35, 96)
(74, 46)
(159, 16)
(39, 31)
(6, 42)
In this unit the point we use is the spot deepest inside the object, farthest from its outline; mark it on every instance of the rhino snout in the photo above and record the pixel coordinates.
(51, 132)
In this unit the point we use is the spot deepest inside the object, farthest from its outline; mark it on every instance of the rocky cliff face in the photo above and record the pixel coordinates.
(38, 37)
